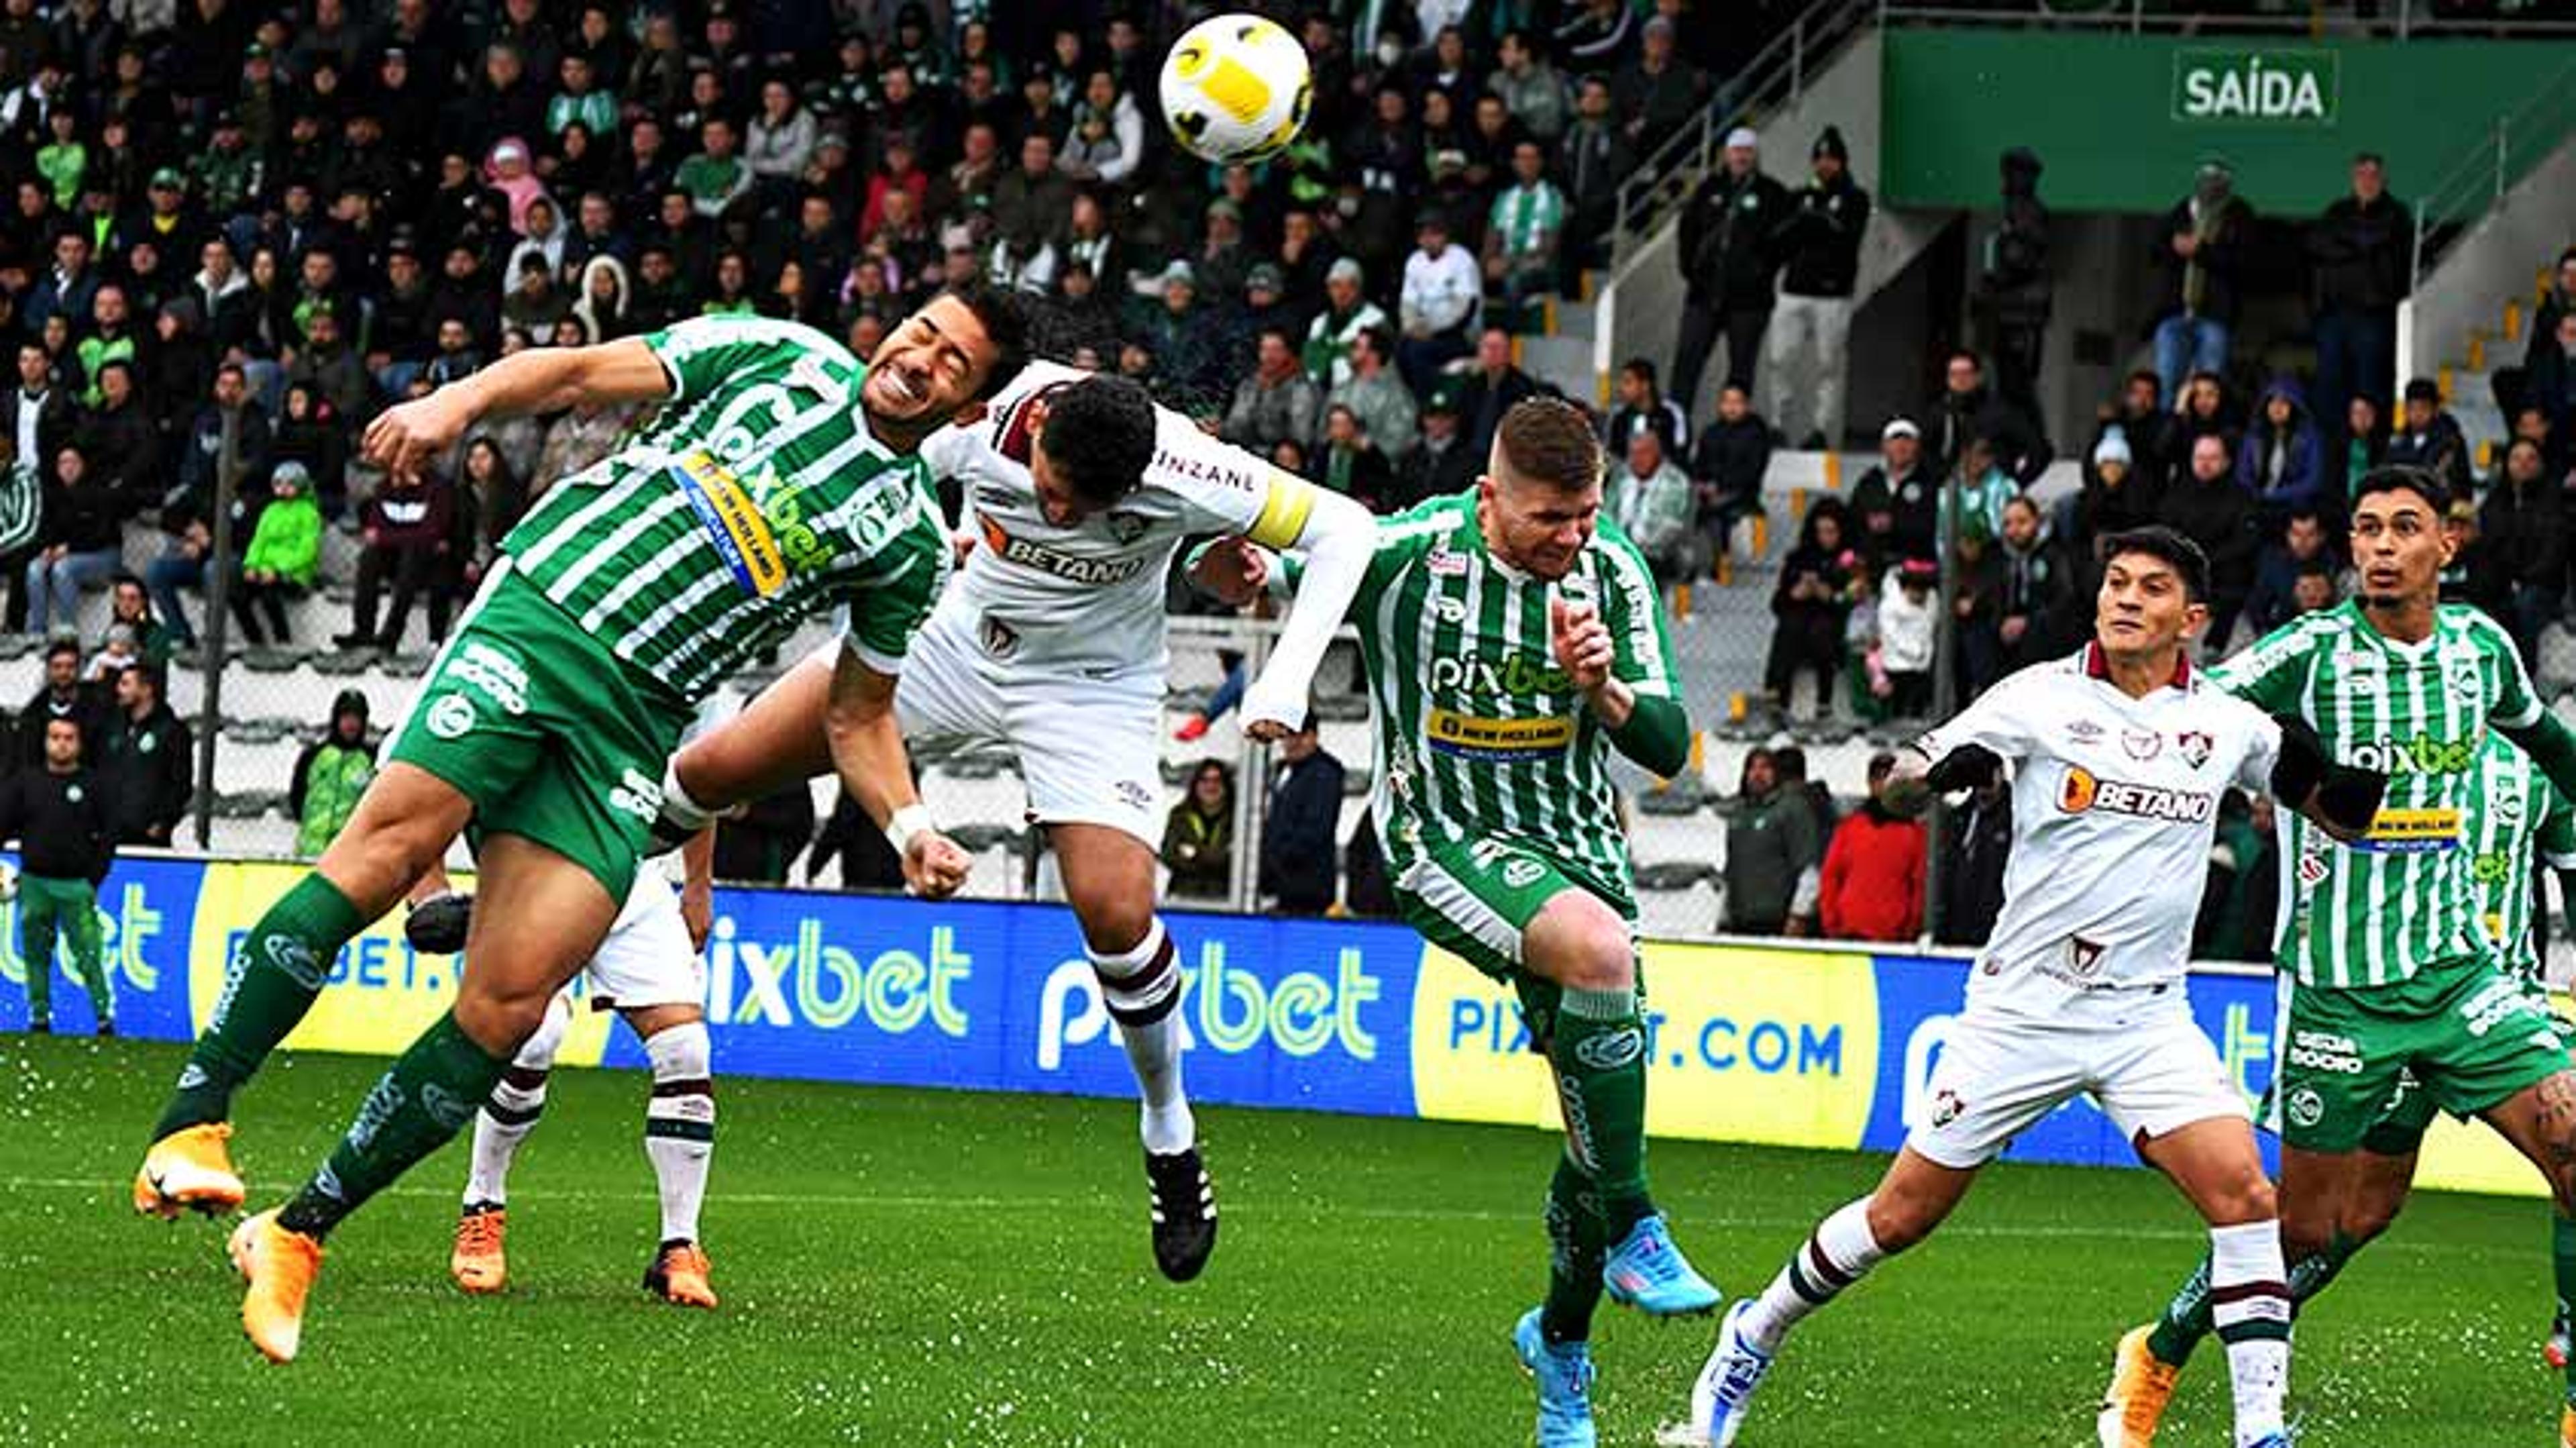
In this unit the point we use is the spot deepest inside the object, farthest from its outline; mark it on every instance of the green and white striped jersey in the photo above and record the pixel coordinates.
(1480, 736)
(2518, 816)
(753, 498)
(2377, 911)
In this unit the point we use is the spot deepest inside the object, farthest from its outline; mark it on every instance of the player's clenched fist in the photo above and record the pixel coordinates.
(934, 866)
(1581, 642)
(403, 439)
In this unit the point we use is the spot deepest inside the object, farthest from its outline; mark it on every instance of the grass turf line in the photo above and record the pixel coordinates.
(921, 1268)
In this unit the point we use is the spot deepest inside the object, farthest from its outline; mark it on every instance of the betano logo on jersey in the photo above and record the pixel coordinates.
(1092, 572)
(2083, 791)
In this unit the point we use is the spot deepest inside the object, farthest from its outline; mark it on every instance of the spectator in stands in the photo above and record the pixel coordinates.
(131, 606)
(2317, 588)
(121, 647)
(1812, 604)
(60, 696)
(1821, 242)
(1277, 403)
(1350, 464)
(1967, 408)
(330, 774)
(1441, 463)
(1773, 851)
(2360, 255)
(1441, 295)
(1897, 502)
(1530, 87)
(1189, 356)
(1972, 888)
(58, 812)
(310, 431)
(2015, 291)
(1524, 229)
(1336, 330)
(1377, 396)
(149, 761)
(78, 544)
(1490, 390)
(2207, 409)
(2524, 521)
(2279, 458)
(407, 530)
(1299, 838)
(2040, 611)
(2147, 428)
(2304, 541)
(2365, 442)
(1976, 607)
(1644, 408)
(1729, 253)
(1728, 463)
(2205, 240)
(2210, 507)
(2557, 302)
(284, 558)
(1593, 158)
(1198, 837)
(1983, 490)
(2116, 496)
(2431, 438)
(121, 443)
(1654, 504)
(2549, 379)
(1872, 882)
(1908, 623)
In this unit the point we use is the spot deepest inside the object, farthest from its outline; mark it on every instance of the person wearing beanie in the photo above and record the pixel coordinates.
(1730, 252)
(1811, 330)
(2205, 238)
(330, 775)
(283, 558)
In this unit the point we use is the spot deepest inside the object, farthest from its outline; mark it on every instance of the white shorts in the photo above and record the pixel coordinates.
(1998, 1077)
(1087, 749)
(647, 959)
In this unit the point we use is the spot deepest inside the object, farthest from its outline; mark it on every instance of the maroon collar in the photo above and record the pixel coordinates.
(2097, 665)
(1012, 436)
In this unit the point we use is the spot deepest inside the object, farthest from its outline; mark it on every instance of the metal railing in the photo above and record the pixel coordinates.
(1776, 76)
(2409, 20)
(2488, 170)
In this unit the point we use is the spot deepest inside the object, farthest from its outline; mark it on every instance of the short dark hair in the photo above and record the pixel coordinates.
(60, 647)
(2317, 568)
(2370, 158)
(1643, 367)
(1099, 437)
(2400, 478)
(1005, 320)
(150, 673)
(1549, 440)
(2166, 546)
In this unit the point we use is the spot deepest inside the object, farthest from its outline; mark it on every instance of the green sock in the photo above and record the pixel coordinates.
(1575, 1254)
(1600, 1058)
(274, 979)
(430, 1094)
(2186, 1319)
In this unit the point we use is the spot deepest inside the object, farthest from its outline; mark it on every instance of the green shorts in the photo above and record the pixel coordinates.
(1475, 898)
(2410, 1110)
(2469, 1032)
(545, 730)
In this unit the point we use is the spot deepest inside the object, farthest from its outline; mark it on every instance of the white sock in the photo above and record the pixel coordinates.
(1839, 1253)
(680, 1125)
(1142, 988)
(511, 1113)
(2249, 1300)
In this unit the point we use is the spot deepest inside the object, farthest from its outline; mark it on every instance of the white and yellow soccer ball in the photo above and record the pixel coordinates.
(1236, 88)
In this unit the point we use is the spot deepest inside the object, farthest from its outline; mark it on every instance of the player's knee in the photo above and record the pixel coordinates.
(501, 1020)
(1581, 945)
(1114, 924)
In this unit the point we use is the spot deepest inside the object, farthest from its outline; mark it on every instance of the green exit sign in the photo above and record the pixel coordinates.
(2299, 87)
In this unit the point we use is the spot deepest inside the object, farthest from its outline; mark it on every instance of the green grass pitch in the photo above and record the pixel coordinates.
(918, 1268)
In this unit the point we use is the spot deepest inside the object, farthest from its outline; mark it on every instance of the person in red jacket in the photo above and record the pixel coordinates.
(1873, 875)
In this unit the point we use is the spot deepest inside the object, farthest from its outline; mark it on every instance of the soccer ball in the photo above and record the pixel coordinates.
(1236, 88)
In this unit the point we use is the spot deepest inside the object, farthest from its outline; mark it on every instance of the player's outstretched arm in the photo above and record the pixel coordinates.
(868, 754)
(1339, 539)
(1917, 776)
(539, 379)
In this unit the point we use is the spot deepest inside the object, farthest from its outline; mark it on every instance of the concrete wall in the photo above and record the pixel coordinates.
(2492, 264)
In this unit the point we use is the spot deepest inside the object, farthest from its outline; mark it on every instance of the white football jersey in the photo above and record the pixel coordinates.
(1089, 598)
(2115, 804)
